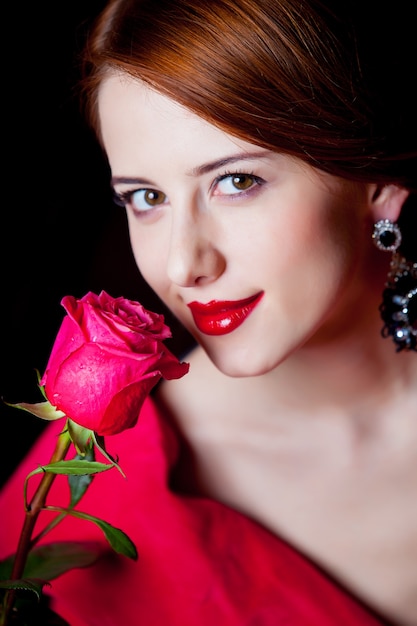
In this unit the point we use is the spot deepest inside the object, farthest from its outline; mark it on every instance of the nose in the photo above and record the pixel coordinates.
(193, 258)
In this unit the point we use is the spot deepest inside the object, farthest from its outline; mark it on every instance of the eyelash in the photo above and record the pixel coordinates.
(257, 181)
(124, 198)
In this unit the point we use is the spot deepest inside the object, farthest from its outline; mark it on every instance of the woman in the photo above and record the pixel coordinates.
(267, 183)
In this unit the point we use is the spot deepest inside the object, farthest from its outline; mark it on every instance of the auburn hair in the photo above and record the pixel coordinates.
(290, 76)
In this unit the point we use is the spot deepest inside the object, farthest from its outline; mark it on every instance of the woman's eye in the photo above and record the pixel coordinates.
(236, 183)
(140, 200)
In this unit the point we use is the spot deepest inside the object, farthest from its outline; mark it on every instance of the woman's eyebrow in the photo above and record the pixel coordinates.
(129, 181)
(241, 156)
(200, 169)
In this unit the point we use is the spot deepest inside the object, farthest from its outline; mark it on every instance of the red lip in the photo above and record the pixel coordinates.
(220, 317)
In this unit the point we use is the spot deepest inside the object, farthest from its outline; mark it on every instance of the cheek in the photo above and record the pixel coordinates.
(315, 251)
(327, 231)
(300, 239)
(149, 258)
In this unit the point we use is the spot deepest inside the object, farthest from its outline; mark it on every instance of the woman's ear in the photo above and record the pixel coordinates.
(386, 201)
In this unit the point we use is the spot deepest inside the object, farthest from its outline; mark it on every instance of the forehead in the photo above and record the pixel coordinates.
(122, 98)
(119, 87)
(132, 115)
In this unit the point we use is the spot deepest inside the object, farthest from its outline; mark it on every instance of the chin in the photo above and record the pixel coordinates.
(243, 364)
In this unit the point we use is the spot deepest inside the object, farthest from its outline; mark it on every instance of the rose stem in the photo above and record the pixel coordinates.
(35, 507)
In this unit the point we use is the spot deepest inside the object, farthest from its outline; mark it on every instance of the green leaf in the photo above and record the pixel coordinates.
(118, 539)
(79, 483)
(51, 560)
(74, 466)
(44, 410)
(25, 584)
(29, 610)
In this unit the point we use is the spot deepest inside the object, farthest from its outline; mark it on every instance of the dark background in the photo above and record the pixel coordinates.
(60, 232)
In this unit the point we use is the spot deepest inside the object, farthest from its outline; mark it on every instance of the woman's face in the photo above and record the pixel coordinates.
(255, 252)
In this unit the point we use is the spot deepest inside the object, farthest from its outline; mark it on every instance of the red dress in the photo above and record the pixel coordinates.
(200, 563)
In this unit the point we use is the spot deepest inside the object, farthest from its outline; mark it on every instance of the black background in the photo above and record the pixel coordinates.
(60, 231)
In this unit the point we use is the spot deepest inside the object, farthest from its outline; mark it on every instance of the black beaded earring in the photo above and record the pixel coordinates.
(399, 299)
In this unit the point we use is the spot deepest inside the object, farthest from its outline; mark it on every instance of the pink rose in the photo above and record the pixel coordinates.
(106, 358)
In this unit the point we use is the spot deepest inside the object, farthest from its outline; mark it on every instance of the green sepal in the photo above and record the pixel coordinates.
(81, 437)
(100, 445)
(44, 410)
(42, 388)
